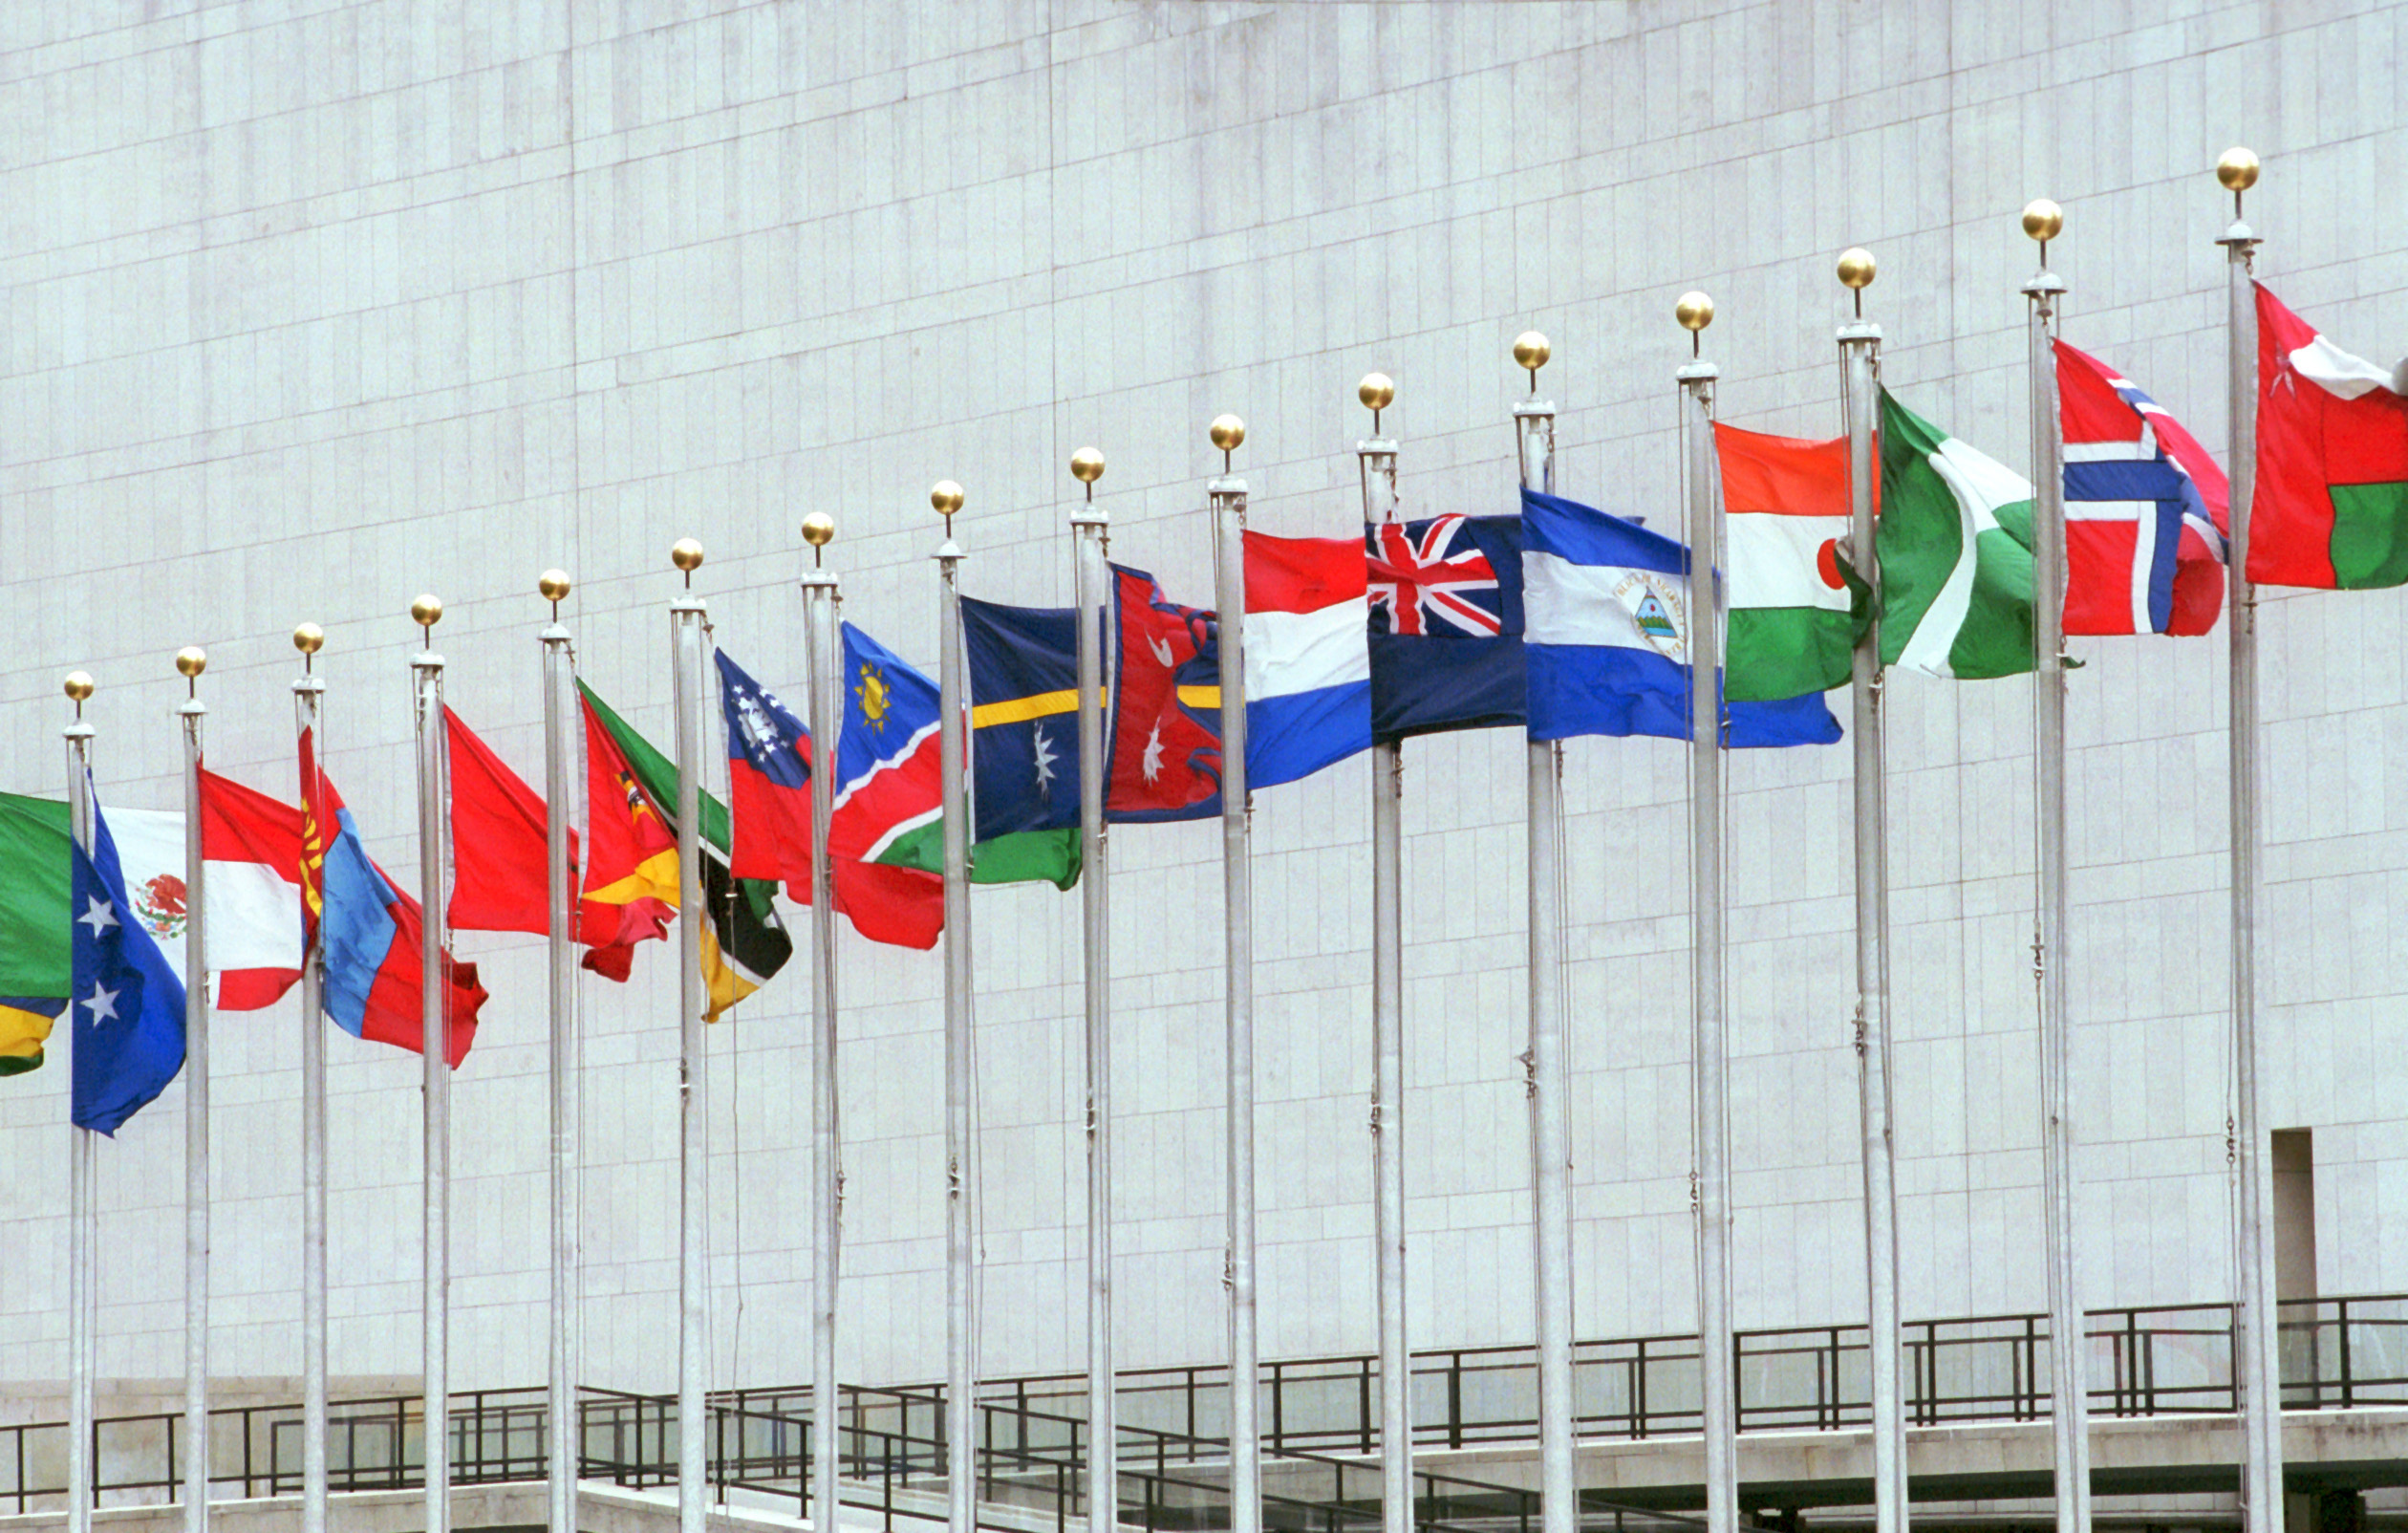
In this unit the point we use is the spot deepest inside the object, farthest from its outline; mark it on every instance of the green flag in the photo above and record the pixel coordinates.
(34, 952)
(1956, 555)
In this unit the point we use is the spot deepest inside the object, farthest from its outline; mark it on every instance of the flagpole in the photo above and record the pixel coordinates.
(2257, 1378)
(1090, 532)
(1549, 1085)
(1228, 494)
(1860, 371)
(826, 648)
(426, 669)
(961, 1145)
(688, 616)
(1376, 456)
(2069, 1414)
(309, 692)
(562, 1444)
(1695, 311)
(190, 661)
(82, 1311)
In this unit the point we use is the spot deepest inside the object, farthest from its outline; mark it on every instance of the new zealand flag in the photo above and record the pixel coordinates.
(1446, 600)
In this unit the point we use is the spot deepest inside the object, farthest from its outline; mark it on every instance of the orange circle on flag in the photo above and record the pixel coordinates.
(1827, 565)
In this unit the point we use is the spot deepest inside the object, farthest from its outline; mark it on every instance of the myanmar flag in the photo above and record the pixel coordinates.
(1795, 606)
(2331, 508)
(1955, 543)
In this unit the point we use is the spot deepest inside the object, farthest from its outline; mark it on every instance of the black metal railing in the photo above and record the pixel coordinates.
(2162, 1360)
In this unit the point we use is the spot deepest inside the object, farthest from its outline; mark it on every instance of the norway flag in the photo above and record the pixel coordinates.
(2145, 510)
(1308, 656)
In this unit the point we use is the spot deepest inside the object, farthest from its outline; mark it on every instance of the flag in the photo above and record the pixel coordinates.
(1796, 607)
(631, 880)
(25, 1026)
(769, 766)
(1446, 624)
(499, 827)
(1162, 710)
(1607, 634)
(1956, 555)
(35, 972)
(371, 933)
(893, 779)
(1308, 660)
(2145, 510)
(2331, 508)
(250, 845)
(742, 944)
(129, 1008)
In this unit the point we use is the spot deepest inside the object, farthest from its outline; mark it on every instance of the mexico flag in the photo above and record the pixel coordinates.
(2331, 508)
(1795, 606)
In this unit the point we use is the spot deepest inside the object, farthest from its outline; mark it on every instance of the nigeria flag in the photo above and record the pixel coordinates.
(1956, 555)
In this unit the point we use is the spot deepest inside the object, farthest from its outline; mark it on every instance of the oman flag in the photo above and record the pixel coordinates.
(1795, 606)
(2331, 508)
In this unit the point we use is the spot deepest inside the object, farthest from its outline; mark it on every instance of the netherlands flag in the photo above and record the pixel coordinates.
(2145, 510)
(1308, 656)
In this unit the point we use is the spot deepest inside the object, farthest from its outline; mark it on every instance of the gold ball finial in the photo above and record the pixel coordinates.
(78, 685)
(1531, 351)
(309, 639)
(1695, 310)
(191, 660)
(554, 585)
(1087, 465)
(819, 530)
(945, 496)
(427, 611)
(686, 553)
(2237, 168)
(1377, 391)
(1856, 266)
(1228, 432)
(2043, 220)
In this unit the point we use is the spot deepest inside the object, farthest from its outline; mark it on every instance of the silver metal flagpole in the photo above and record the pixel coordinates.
(1245, 1359)
(82, 1306)
(1090, 532)
(191, 662)
(2256, 1365)
(1376, 456)
(309, 692)
(825, 645)
(687, 617)
(1695, 311)
(2068, 1387)
(1860, 374)
(961, 1145)
(1549, 1083)
(563, 1443)
(426, 669)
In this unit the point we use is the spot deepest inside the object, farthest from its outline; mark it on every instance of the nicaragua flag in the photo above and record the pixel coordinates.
(1607, 629)
(128, 1005)
(1308, 657)
(2145, 510)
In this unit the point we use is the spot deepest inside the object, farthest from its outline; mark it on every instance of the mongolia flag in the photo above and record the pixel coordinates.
(2331, 508)
(1607, 636)
(2145, 510)
(1308, 660)
(881, 782)
(1446, 624)
(499, 828)
(371, 933)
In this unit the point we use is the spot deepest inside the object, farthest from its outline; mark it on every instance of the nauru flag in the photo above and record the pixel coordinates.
(2331, 508)
(1308, 656)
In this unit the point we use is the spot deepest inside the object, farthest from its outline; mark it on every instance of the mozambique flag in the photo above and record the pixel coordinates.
(632, 800)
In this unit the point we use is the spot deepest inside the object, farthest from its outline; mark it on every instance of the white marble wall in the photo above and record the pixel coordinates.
(309, 304)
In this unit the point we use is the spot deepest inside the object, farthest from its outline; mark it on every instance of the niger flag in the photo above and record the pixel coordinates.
(1795, 606)
(632, 801)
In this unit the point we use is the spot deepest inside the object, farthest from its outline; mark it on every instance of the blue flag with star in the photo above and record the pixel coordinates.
(1024, 716)
(127, 1006)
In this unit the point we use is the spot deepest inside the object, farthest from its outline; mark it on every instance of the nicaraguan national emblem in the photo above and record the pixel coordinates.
(1656, 611)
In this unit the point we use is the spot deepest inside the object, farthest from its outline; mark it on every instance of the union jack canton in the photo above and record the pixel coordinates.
(1446, 624)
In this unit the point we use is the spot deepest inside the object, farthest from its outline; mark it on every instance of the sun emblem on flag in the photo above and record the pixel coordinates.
(877, 699)
(1656, 612)
(160, 902)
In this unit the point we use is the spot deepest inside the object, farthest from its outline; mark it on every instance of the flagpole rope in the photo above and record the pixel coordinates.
(715, 729)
